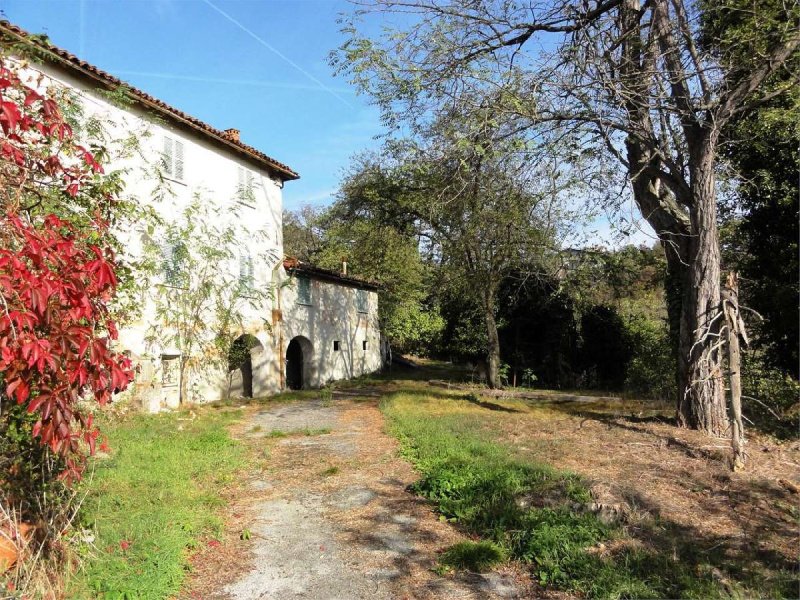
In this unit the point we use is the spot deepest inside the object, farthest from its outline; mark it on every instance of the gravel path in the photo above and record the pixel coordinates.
(329, 517)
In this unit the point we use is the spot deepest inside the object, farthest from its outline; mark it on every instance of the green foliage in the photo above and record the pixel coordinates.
(770, 397)
(473, 556)
(153, 500)
(650, 372)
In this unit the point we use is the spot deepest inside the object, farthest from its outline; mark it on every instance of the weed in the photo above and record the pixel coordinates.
(326, 394)
(277, 433)
(245, 535)
(473, 556)
(320, 431)
(255, 429)
(330, 471)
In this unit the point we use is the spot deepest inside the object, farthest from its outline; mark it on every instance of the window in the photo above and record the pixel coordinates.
(170, 370)
(364, 345)
(336, 345)
(362, 302)
(246, 272)
(172, 158)
(304, 291)
(174, 255)
(245, 187)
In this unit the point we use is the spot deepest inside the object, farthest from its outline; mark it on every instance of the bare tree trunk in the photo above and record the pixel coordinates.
(735, 328)
(702, 400)
(492, 347)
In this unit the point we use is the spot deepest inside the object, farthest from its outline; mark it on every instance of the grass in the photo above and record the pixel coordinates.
(319, 431)
(334, 470)
(536, 514)
(473, 556)
(155, 498)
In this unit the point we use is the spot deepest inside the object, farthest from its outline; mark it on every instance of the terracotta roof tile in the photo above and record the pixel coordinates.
(86, 70)
(294, 265)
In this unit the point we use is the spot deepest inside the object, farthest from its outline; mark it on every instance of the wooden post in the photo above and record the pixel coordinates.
(734, 328)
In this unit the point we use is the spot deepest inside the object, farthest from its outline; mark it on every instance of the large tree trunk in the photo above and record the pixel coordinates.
(693, 293)
(702, 398)
(492, 347)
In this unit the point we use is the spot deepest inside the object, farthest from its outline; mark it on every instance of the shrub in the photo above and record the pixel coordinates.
(651, 371)
(770, 398)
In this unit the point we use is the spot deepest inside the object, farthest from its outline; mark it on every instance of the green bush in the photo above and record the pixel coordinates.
(651, 370)
(770, 397)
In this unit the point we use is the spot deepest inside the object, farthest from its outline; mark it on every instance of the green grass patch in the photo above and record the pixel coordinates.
(330, 471)
(277, 433)
(319, 431)
(153, 501)
(473, 556)
(534, 513)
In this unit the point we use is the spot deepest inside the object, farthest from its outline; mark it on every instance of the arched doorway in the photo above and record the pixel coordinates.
(298, 363)
(240, 357)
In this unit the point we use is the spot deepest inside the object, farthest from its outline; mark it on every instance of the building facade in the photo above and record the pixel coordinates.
(307, 327)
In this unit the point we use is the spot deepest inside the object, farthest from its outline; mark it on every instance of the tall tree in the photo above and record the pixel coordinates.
(627, 77)
(483, 208)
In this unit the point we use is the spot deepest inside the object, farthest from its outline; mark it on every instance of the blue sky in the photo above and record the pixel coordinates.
(256, 65)
(259, 66)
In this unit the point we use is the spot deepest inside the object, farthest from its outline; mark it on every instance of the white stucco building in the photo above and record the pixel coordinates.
(311, 327)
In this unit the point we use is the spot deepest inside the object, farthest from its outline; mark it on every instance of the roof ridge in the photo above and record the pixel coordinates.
(89, 70)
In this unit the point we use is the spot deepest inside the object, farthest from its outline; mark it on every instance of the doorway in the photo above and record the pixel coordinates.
(298, 364)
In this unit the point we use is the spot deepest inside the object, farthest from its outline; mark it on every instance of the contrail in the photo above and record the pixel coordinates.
(255, 82)
(277, 52)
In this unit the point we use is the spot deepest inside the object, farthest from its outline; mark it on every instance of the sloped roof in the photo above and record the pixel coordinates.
(293, 265)
(97, 76)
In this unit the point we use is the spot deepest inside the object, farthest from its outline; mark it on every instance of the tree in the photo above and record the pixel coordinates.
(631, 79)
(482, 207)
(57, 278)
(200, 300)
(303, 233)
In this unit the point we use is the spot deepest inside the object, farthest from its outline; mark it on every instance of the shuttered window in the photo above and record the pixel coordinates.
(173, 263)
(362, 303)
(245, 189)
(246, 272)
(173, 158)
(304, 291)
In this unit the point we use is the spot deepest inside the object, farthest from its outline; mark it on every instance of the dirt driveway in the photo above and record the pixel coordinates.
(324, 514)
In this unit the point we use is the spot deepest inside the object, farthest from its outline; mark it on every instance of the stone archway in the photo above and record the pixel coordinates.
(240, 358)
(298, 363)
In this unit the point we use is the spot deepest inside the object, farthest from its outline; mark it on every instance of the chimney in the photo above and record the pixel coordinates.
(344, 267)
(231, 134)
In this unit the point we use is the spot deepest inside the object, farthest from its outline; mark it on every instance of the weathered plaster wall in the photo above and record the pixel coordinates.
(332, 317)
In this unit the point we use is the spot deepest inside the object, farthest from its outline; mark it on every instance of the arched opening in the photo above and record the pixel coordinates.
(298, 363)
(240, 358)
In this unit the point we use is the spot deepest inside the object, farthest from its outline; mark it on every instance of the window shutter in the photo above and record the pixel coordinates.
(362, 304)
(178, 160)
(166, 260)
(303, 290)
(246, 271)
(167, 158)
